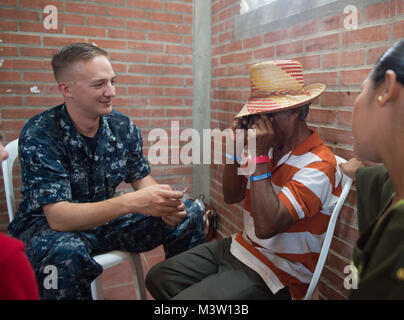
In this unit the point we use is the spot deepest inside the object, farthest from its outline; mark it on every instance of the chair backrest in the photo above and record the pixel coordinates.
(346, 183)
(7, 167)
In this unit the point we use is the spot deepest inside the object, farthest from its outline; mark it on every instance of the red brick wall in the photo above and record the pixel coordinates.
(330, 54)
(150, 46)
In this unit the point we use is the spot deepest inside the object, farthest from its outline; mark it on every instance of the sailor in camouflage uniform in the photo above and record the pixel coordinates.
(73, 156)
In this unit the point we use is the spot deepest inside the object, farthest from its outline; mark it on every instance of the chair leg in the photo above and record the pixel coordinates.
(140, 287)
(96, 289)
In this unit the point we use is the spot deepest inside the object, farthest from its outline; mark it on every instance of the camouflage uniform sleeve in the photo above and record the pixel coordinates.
(138, 165)
(43, 174)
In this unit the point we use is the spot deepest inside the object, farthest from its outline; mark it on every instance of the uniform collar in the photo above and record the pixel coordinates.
(74, 138)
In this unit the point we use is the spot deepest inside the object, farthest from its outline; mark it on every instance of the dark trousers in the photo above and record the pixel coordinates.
(70, 253)
(208, 271)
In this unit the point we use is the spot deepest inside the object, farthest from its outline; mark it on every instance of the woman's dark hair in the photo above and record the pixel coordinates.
(392, 59)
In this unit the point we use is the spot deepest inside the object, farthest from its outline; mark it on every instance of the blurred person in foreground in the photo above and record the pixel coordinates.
(288, 200)
(17, 279)
(378, 129)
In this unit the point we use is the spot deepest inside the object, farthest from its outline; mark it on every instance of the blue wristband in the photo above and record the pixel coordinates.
(229, 156)
(260, 177)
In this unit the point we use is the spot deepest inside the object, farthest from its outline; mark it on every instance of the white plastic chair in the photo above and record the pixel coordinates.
(346, 183)
(107, 260)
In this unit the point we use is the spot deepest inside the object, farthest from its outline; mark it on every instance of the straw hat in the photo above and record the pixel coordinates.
(278, 85)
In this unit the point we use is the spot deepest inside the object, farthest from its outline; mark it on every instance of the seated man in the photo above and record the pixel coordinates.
(73, 156)
(288, 202)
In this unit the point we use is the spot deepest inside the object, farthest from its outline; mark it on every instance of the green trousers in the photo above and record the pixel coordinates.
(208, 271)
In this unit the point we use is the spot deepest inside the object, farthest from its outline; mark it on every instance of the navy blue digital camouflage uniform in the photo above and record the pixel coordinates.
(58, 165)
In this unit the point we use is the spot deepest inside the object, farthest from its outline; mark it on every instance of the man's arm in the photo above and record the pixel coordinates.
(270, 214)
(233, 184)
(154, 200)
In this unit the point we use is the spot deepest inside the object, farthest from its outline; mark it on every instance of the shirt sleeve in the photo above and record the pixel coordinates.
(309, 190)
(44, 176)
(137, 163)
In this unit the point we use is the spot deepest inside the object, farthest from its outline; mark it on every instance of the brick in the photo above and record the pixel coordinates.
(22, 64)
(180, 92)
(141, 68)
(18, 14)
(178, 7)
(11, 125)
(126, 34)
(146, 4)
(178, 28)
(105, 21)
(328, 78)
(60, 41)
(8, 51)
(88, 9)
(330, 23)
(366, 35)
(344, 59)
(334, 136)
(145, 46)
(11, 101)
(354, 76)
(252, 42)
(147, 113)
(8, 25)
(9, 76)
(185, 71)
(289, 48)
(165, 37)
(338, 98)
(309, 62)
(375, 53)
(127, 57)
(157, 101)
(321, 116)
(345, 117)
(87, 31)
(20, 113)
(272, 37)
(165, 59)
(166, 17)
(398, 30)
(40, 4)
(39, 77)
(145, 25)
(132, 79)
(175, 81)
(303, 29)
(64, 18)
(322, 43)
(381, 10)
(43, 101)
(178, 49)
(20, 38)
(125, 12)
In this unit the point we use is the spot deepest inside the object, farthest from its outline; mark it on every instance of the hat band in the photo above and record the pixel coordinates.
(279, 93)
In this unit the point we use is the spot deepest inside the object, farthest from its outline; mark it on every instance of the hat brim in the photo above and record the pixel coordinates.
(276, 103)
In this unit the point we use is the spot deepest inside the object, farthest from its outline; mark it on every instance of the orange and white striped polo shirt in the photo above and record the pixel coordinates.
(308, 183)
